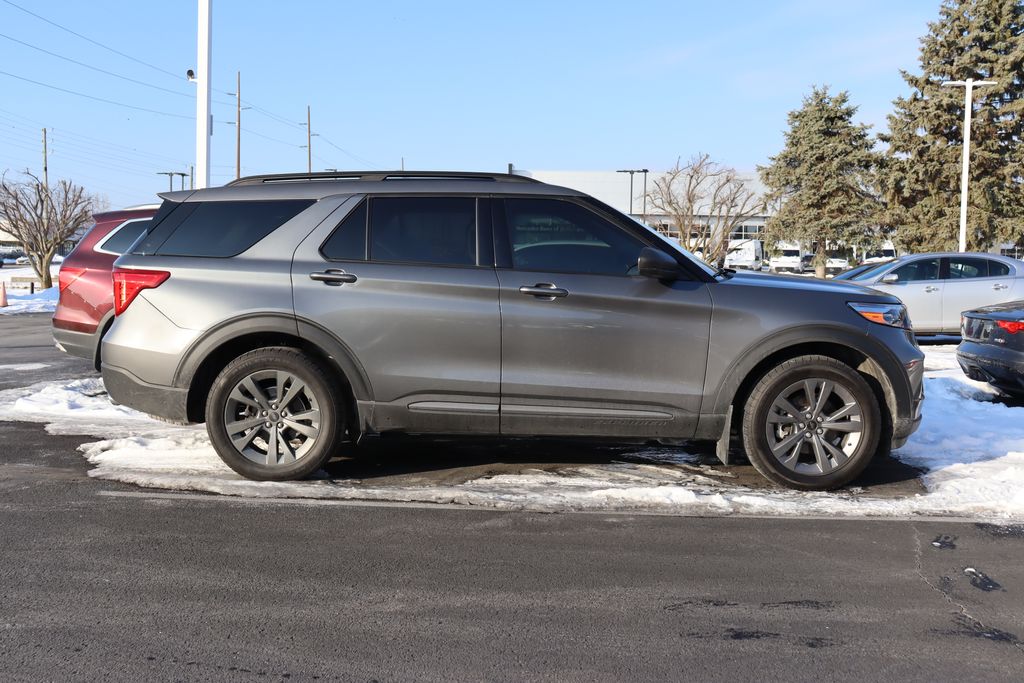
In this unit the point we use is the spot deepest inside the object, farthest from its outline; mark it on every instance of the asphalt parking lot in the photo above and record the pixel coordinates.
(103, 579)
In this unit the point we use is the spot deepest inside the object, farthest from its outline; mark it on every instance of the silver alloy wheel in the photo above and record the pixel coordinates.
(272, 417)
(814, 426)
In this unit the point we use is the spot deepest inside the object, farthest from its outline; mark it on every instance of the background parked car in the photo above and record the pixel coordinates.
(856, 270)
(786, 260)
(992, 349)
(836, 264)
(85, 308)
(937, 288)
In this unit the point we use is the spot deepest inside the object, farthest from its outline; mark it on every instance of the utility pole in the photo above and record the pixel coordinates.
(645, 172)
(309, 143)
(170, 179)
(183, 176)
(192, 177)
(46, 166)
(204, 120)
(969, 85)
(238, 125)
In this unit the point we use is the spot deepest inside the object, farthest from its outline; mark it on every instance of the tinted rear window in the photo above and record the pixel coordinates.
(125, 237)
(438, 230)
(348, 241)
(220, 229)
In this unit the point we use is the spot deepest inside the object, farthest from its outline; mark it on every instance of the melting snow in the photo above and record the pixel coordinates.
(970, 448)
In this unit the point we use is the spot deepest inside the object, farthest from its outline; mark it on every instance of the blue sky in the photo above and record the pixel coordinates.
(446, 85)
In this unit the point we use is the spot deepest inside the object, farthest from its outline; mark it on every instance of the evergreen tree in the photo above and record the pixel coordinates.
(920, 179)
(822, 180)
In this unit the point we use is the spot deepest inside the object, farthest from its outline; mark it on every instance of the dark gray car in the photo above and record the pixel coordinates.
(294, 313)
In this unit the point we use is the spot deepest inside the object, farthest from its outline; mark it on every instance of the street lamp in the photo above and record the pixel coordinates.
(631, 171)
(968, 87)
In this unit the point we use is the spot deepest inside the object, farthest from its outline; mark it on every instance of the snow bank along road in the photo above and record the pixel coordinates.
(969, 452)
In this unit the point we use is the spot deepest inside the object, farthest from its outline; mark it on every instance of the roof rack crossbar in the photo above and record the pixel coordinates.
(379, 176)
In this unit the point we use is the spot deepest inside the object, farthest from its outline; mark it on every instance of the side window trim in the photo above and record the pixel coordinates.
(99, 247)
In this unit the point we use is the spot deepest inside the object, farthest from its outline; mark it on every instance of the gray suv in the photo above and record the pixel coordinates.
(296, 313)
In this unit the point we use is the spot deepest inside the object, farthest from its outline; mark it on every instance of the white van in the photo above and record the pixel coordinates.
(786, 259)
(746, 254)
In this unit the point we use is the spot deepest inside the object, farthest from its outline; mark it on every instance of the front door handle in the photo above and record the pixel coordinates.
(1000, 286)
(929, 288)
(333, 277)
(545, 291)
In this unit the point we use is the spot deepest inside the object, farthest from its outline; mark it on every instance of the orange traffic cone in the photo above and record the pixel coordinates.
(3, 295)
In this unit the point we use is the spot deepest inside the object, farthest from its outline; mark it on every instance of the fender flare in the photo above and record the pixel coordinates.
(274, 323)
(894, 378)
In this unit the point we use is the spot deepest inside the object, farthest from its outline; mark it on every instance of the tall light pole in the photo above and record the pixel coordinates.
(170, 179)
(204, 127)
(631, 171)
(969, 85)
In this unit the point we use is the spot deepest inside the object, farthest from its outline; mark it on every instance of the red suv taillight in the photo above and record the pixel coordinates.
(67, 276)
(1011, 326)
(128, 283)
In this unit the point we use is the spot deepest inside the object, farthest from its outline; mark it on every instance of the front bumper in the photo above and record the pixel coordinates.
(1002, 368)
(168, 403)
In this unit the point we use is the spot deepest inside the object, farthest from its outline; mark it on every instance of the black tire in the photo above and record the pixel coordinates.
(809, 453)
(297, 454)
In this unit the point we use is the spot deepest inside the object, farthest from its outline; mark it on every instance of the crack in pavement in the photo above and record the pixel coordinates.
(965, 618)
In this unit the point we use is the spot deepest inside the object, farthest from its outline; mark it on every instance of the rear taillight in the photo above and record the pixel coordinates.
(67, 276)
(128, 283)
(1011, 326)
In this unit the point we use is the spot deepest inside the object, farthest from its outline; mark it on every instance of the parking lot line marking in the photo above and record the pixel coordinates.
(455, 507)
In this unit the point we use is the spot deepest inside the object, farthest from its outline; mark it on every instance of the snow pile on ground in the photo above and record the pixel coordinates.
(20, 301)
(970, 448)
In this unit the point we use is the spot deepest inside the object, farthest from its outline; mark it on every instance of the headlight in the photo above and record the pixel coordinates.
(893, 315)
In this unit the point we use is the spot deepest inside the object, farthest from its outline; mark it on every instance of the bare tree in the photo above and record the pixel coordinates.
(43, 218)
(705, 201)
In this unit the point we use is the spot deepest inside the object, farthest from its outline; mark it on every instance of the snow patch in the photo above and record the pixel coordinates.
(43, 301)
(23, 367)
(970, 448)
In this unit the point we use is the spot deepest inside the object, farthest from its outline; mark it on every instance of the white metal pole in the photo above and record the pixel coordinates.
(204, 121)
(968, 106)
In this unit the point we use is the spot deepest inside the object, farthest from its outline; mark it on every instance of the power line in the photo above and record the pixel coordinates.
(96, 68)
(345, 151)
(249, 131)
(90, 40)
(97, 99)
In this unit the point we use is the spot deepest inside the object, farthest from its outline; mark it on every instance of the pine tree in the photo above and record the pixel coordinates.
(823, 178)
(920, 178)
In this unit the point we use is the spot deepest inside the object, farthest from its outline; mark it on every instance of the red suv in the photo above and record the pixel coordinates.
(86, 306)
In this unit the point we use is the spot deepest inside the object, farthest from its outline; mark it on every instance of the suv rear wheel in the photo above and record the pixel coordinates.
(273, 415)
(811, 423)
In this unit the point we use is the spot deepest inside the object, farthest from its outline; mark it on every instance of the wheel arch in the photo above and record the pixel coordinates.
(868, 356)
(210, 354)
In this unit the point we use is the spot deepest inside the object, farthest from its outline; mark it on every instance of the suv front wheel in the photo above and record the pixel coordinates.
(811, 423)
(273, 415)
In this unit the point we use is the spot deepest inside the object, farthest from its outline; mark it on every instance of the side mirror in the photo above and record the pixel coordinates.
(890, 279)
(656, 264)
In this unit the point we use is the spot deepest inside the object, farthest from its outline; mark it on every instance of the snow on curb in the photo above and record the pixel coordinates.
(970, 448)
(43, 301)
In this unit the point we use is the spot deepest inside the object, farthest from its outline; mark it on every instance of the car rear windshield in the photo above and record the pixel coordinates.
(219, 229)
(125, 237)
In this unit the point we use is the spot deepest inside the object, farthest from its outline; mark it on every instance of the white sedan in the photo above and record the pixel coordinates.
(937, 288)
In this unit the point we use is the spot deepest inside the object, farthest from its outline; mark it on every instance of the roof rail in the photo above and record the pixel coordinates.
(380, 175)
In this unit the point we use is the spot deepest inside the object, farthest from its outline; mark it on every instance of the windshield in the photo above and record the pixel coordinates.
(871, 272)
(791, 253)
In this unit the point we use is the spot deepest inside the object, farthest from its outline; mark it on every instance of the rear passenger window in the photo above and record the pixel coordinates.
(219, 229)
(348, 241)
(437, 230)
(125, 236)
(961, 267)
(997, 269)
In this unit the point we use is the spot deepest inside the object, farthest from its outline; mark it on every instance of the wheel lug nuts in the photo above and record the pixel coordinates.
(269, 425)
(808, 416)
(807, 435)
(821, 419)
(264, 413)
(821, 431)
(800, 426)
(280, 425)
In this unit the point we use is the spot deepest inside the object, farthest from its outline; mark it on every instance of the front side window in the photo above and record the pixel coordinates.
(963, 267)
(918, 271)
(221, 229)
(431, 230)
(560, 236)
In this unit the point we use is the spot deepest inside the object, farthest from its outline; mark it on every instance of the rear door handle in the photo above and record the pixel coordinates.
(929, 288)
(333, 277)
(1000, 286)
(544, 290)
